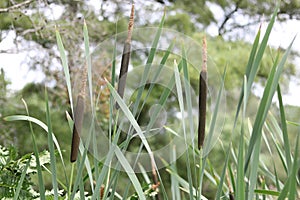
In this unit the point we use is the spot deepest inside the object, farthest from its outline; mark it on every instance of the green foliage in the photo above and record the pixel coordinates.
(34, 95)
(198, 9)
(3, 101)
(186, 26)
(3, 86)
(11, 169)
(202, 11)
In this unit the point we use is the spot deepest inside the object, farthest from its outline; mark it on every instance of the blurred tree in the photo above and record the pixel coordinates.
(36, 21)
(6, 136)
(202, 11)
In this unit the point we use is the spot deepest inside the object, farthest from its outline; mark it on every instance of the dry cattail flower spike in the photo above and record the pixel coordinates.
(78, 117)
(125, 57)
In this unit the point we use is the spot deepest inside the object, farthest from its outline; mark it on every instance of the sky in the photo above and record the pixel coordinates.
(282, 34)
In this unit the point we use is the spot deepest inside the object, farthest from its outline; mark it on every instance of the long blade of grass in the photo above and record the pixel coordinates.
(284, 130)
(130, 173)
(39, 123)
(248, 70)
(188, 98)
(20, 183)
(81, 188)
(155, 77)
(51, 149)
(114, 177)
(293, 123)
(155, 41)
(181, 105)
(259, 55)
(79, 172)
(295, 167)
(254, 61)
(267, 192)
(184, 184)
(268, 173)
(133, 122)
(58, 180)
(84, 161)
(232, 178)
(111, 111)
(88, 61)
(89, 78)
(240, 190)
(280, 153)
(290, 188)
(113, 79)
(81, 150)
(266, 103)
(276, 181)
(163, 99)
(174, 183)
(144, 173)
(148, 65)
(130, 117)
(207, 146)
(222, 177)
(36, 154)
(65, 65)
(106, 164)
(167, 90)
(212, 174)
(254, 169)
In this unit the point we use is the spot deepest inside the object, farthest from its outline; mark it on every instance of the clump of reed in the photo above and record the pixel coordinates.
(241, 166)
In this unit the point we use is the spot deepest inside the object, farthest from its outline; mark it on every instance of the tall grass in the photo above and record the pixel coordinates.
(242, 166)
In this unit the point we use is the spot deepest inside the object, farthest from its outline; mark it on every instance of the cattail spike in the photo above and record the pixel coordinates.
(130, 24)
(156, 184)
(78, 117)
(204, 54)
(202, 96)
(125, 57)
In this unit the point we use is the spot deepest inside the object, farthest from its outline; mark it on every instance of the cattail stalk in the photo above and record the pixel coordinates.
(125, 57)
(78, 117)
(202, 96)
(231, 196)
(102, 188)
(156, 184)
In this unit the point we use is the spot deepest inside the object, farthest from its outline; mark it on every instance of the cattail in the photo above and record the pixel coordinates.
(154, 176)
(125, 57)
(202, 95)
(78, 117)
(102, 188)
(231, 196)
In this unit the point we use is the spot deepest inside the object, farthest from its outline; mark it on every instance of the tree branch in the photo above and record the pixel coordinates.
(228, 16)
(34, 30)
(16, 6)
(242, 26)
